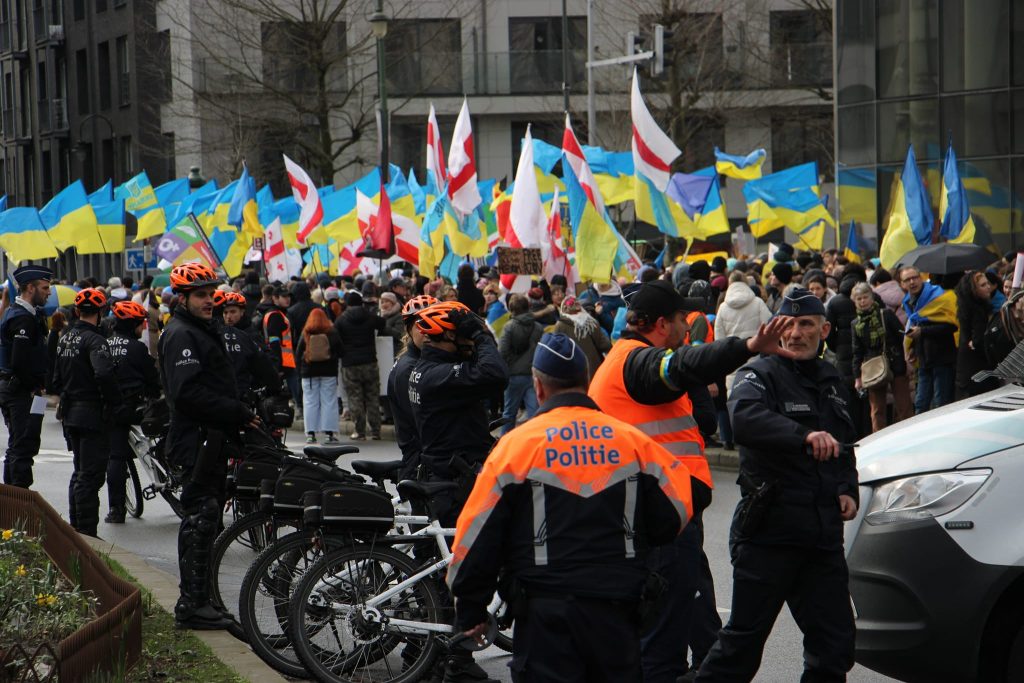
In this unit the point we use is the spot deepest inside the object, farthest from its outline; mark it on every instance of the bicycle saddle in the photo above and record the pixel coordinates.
(328, 454)
(407, 488)
(376, 470)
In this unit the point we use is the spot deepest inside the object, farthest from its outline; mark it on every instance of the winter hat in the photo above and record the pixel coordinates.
(559, 356)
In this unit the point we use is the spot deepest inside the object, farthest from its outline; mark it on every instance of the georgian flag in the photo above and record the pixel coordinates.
(653, 150)
(462, 190)
(311, 211)
(274, 253)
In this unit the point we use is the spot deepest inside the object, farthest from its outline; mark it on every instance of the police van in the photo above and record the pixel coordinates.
(936, 552)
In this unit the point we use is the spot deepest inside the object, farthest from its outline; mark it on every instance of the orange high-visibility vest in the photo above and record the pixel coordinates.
(691, 318)
(670, 424)
(287, 354)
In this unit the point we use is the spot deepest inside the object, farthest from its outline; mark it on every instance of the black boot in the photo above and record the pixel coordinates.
(115, 516)
(195, 541)
(459, 667)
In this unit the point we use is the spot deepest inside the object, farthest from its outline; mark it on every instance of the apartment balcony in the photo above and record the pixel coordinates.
(802, 65)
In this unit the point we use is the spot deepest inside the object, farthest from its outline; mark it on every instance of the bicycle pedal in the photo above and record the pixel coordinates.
(149, 493)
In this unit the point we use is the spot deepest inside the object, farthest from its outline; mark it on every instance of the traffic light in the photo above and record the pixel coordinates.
(662, 38)
(634, 42)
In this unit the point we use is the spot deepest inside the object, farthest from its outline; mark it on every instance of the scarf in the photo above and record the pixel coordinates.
(869, 324)
(583, 323)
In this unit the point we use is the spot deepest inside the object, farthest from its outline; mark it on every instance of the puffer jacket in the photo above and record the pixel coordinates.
(740, 314)
(519, 340)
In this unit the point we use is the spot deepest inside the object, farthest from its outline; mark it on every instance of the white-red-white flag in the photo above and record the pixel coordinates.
(375, 221)
(311, 211)
(274, 253)
(527, 221)
(653, 150)
(462, 190)
(556, 260)
(435, 154)
(573, 153)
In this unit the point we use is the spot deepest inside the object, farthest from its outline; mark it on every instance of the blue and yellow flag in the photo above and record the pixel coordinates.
(438, 222)
(103, 194)
(71, 221)
(957, 223)
(23, 235)
(934, 305)
(852, 249)
(857, 195)
(497, 316)
(110, 223)
(243, 213)
(910, 218)
(743, 167)
(789, 198)
(140, 200)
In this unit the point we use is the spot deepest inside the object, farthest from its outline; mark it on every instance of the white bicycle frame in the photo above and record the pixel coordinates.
(142, 445)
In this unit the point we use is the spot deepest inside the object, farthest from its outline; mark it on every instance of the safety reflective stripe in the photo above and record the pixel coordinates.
(667, 426)
(629, 515)
(540, 524)
(681, 447)
(287, 356)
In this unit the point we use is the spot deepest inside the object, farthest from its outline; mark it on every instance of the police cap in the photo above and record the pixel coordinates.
(800, 302)
(29, 273)
(658, 299)
(559, 356)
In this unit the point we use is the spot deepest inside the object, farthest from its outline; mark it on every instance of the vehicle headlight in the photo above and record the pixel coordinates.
(923, 496)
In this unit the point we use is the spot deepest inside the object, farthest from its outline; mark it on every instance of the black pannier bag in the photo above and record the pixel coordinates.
(346, 508)
(249, 474)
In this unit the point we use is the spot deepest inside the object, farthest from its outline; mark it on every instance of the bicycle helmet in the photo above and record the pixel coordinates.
(233, 299)
(90, 298)
(417, 304)
(129, 310)
(219, 298)
(433, 321)
(189, 276)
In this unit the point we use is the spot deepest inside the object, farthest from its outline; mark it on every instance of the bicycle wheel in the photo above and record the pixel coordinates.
(265, 592)
(234, 552)
(340, 640)
(133, 500)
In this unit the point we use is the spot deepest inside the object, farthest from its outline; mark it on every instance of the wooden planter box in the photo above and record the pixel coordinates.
(111, 642)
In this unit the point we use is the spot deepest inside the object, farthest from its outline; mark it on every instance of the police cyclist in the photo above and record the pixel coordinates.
(206, 417)
(406, 433)
(254, 370)
(568, 505)
(138, 380)
(86, 380)
(789, 417)
(23, 371)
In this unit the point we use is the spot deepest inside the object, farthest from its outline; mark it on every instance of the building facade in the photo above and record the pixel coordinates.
(928, 72)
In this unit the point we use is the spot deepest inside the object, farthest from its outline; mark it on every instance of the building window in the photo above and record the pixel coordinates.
(124, 76)
(975, 43)
(857, 142)
(291, 59)
(549, 131)
(101, 6)
(799, 137)
(801, 48)
(535, 53)
(82, 81)
(904, 122)
(8, 117)
(103, 59)
(703, 134)
(908, 48)
(424, 56)
(124, 156)
(47, 173)
(1017, 43)
(24, 102)
(855, 51)
(978, 124)
(78, 10)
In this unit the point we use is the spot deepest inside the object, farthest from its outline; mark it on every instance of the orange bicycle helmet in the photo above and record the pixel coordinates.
(90, 297)
(417, 304)
(219, 298)
(129, 310)
(189, 276)
(233, 299)
(433, 321)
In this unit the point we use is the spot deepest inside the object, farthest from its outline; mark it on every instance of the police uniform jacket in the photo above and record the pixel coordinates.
(199, 383)
(23, 356)
(136, 371)
(775, 402)
(447, 395)
(252, 365)
(568, 504)
(85, 377)
(406, 434)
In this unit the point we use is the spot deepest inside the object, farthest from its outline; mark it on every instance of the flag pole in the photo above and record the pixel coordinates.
(206, 240)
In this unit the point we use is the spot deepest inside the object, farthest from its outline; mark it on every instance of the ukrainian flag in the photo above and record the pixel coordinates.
(857, 195)
(957, 223)
(497, 316)
(909, 218)
(141, 201)
(852, 249)
(934, 305)
(745, 168)
(594, 236)
(103, 194)
(341, 220)
(71, 221)
(419, 197)
(789, 198)
(196, 203)
(23, 235)
(243, 213)
(110, 223)
(440, 219)
(169, 197)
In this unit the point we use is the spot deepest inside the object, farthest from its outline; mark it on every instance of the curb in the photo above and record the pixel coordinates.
(164, 587)
(723, 459)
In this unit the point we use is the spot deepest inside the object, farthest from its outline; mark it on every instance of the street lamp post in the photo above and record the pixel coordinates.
(80, 151)
(379, 27)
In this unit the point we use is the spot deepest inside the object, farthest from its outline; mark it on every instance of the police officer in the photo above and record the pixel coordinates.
(278, 333)
(648, 378)
(254, 370)
(406, 434)
(568, 505)
(89, 396)
(138, 380)
(23, 370)
(459, 367)
(789, 416)
(206, 416)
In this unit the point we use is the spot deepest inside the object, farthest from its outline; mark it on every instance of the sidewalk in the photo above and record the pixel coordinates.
(164, 587)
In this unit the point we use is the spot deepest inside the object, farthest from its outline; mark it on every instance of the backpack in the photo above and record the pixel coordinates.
(318, 348)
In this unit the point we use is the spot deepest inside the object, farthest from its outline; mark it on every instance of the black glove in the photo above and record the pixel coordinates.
(467, 325)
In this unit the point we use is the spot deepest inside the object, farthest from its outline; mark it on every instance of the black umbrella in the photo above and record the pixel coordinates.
(946, 257)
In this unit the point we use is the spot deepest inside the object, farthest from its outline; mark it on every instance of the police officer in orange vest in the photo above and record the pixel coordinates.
(645, 380)
(278, 333)
(568, 505)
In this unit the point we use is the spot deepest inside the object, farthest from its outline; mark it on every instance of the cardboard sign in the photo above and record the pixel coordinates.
(513, 261)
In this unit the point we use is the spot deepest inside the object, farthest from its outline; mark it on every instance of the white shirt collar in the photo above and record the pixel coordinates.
(26, 305)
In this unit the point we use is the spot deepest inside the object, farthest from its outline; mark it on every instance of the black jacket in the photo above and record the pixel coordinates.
(274, 329)
(973, 316)
(406, 433)
(470, 295)
(251, 363)
(935, 345)
(320, 368)
(23, 353)
(299, 311)
(841, 312)
(518, 342)
(85, 377)
(136, 371)
(774, 403)
(357, 326)
(448, 396)
(200, 385)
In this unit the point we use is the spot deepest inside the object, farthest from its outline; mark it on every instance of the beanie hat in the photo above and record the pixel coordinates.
(353, 298)
(559, 356)
(700, 270)
(784, 272)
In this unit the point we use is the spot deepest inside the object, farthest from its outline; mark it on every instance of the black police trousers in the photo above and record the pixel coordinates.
(815, 585)
(576, 640)
(688, 615)
(117, 468)
(91, 449)
(23, 434)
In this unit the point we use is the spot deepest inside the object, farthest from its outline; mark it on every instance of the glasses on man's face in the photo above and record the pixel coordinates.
(911, 278)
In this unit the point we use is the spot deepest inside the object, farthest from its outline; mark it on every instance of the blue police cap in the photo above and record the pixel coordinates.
(801, 302)
(28, 273)
(561, 357)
